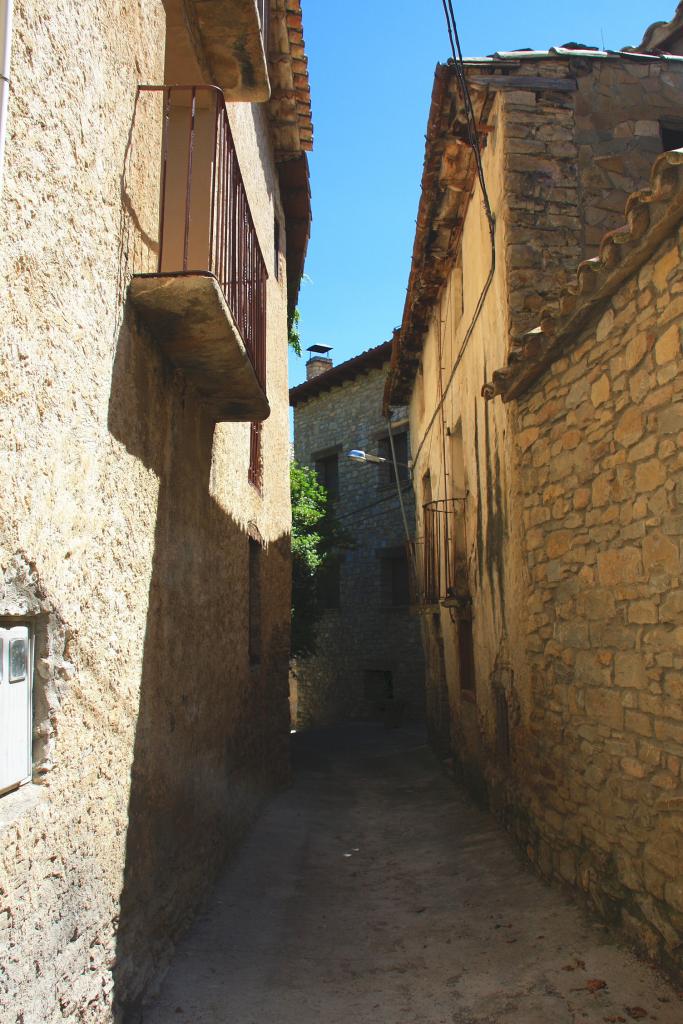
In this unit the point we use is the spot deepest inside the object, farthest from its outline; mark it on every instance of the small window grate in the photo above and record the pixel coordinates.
(256, 456)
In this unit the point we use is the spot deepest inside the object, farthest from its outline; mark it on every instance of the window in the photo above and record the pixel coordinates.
(386, 470)
(254, 602)
(378, 685)
(276, 246)
(426, 487)
(327, 470)
(394, 577)
(329, 585)
(256, 456)
(16, 719)
(672, 134)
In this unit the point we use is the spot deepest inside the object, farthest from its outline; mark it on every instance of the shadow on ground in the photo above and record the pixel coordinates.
(374, 891)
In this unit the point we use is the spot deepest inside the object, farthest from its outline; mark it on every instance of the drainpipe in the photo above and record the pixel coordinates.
(5, 52)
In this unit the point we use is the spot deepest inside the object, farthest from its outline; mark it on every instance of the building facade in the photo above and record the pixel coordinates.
(548, 523)
(368, 661)
(151, 242)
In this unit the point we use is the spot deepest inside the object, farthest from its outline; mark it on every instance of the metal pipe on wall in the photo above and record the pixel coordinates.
(5, 55)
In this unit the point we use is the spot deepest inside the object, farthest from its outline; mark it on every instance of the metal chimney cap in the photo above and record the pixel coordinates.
(319, 350)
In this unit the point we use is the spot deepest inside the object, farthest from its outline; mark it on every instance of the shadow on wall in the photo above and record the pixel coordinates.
(212, 730)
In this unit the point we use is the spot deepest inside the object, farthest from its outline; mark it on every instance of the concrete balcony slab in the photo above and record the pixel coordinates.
(232, 40)
(188, 317)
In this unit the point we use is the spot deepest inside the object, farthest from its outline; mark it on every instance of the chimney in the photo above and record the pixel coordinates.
(319, 361)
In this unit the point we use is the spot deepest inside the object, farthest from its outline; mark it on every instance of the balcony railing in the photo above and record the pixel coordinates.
(206, 229)
(442, 563)
(264, 15)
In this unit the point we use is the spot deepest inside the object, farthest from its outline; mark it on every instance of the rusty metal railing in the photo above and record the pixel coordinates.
(205, 223)
(264, 15)
(443, 562)
(256, 455)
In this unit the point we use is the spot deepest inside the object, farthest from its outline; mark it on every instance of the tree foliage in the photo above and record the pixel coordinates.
(317, 540)
(293, 332)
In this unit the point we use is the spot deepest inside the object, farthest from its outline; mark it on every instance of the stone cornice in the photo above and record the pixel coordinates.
(447, 183)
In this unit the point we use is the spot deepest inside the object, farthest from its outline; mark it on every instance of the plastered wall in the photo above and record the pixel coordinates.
(494, 582)
(125, 526)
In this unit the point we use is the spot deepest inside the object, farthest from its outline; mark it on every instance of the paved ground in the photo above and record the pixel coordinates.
(373, 892)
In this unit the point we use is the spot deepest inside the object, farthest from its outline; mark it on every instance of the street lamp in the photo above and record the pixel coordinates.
(360, 456)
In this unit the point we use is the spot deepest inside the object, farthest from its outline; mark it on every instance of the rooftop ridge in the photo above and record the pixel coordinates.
(370, 359)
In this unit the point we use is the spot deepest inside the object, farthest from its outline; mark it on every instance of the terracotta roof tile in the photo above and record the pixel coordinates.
(290, 103)
(651, 215)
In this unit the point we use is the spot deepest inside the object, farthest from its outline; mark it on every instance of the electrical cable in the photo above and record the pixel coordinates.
(410, 542)
(372, 504)
(399, 490)
(473, 139)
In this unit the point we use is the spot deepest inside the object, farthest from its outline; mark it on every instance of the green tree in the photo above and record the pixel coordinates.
(294, 332)
(317, 540)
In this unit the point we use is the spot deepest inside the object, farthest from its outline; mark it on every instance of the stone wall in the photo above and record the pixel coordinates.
(576, 643)
(572, 159)
(364, 633)
(597, 794)
(124, 537)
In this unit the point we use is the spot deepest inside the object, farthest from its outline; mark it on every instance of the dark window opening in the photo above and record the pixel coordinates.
(466, 655)
(387, 474)
(276, 246)
(329, 585)
(672, 134)
(378, 685)
(254, 602)
(426, 487)
(394, 578)
(256, 456)
(327, 470)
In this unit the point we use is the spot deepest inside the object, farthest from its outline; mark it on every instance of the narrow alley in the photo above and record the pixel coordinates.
(374, 891)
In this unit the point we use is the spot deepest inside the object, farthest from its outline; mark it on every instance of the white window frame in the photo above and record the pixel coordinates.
(6, 626)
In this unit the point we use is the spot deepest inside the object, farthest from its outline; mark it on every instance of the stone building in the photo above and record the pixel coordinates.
(151, 243)
(549, 524)
(368, 661)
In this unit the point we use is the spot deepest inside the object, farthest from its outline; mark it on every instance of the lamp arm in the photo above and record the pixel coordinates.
(400, 496)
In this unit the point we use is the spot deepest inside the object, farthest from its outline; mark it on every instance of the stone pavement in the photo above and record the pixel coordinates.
(374, 892)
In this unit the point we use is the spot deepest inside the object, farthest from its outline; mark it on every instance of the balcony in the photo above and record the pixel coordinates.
(226, 39)
(441, 557)
(206, 303)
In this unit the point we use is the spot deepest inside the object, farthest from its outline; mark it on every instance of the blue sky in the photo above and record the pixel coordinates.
(371, 66)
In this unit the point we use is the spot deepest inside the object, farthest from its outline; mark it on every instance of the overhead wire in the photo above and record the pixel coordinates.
(473, 139)
(379, 501)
